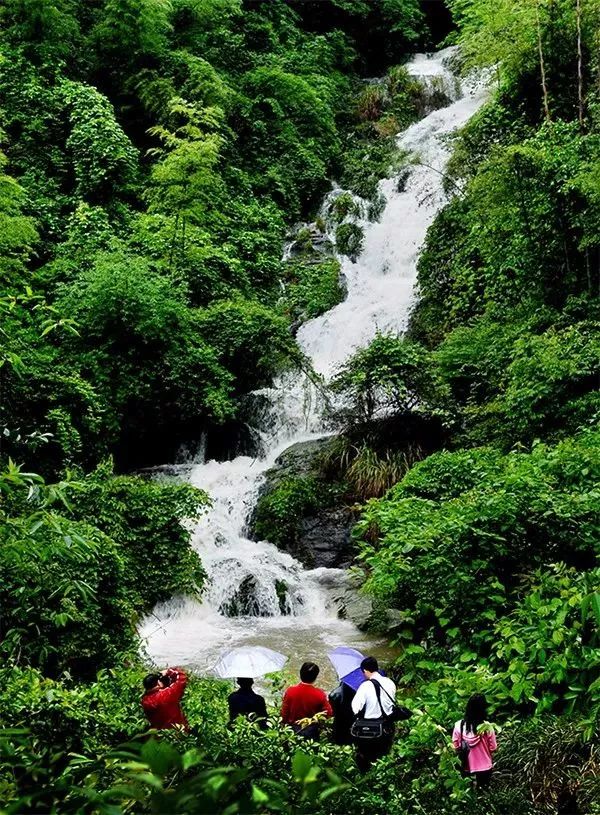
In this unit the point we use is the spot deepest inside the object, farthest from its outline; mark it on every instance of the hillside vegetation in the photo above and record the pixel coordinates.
(154, 156)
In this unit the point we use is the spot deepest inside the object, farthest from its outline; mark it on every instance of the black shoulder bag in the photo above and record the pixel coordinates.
(463, 750)
(368, 729)
(397, 713)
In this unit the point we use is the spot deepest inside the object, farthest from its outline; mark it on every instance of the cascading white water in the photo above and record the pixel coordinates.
(278, 602)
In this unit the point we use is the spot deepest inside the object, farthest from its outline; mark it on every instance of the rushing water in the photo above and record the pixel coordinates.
(287, 607)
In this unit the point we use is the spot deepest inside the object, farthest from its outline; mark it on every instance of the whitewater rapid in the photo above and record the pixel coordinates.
(287, 607)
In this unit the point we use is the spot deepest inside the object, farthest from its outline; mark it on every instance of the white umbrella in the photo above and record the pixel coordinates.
(345, 660)
(249, 661)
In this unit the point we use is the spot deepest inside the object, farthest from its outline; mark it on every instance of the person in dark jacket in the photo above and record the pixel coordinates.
(162, 699)
(245, 702)
(341, 701)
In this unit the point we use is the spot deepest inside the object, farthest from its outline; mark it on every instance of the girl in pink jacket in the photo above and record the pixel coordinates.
(478, 742)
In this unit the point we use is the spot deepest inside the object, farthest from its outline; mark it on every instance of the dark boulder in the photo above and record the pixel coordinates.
(325, 539)
(322, 536)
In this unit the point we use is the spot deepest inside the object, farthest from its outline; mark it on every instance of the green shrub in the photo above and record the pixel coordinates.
(279, 512)
(143, 348)
(392, 375)
(343, 206)
(552, 382)
(452, 558)
(146, 520)
(312, 288)
(63, 595)
(251, 341)
(349, 240)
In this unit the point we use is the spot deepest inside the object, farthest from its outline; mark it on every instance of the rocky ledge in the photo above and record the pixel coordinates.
(321, 536)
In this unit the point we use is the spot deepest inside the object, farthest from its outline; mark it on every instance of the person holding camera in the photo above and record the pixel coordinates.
(162, 699)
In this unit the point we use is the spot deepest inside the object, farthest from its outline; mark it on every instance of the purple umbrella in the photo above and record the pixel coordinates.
(346, 662)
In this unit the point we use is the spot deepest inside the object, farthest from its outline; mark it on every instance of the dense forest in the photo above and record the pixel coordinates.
(155, 158)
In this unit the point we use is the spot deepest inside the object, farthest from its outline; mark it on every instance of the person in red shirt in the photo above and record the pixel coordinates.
(304, 701)
(162, 698)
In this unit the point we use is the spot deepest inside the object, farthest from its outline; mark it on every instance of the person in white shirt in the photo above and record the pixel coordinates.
(368, 704)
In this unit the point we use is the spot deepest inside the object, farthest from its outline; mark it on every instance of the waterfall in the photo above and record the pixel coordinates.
(257, 593)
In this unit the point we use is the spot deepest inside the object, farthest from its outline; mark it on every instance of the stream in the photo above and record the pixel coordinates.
(294, 609)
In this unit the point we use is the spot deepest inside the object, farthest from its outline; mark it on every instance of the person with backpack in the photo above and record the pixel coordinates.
(475, 741)
(375, 708)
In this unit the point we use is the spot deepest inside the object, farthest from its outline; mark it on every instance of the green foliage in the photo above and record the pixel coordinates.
(104, 160)
(371, 475)
(510, 35)
(49, 32)
(62, 594)
(250, 340)
(516, 238)
(349, 240)
(392, 374)
(185, 181)
(130, 29)
(344, 206)
(292, 163)
(550, 640)
(80, 558)
(278, 513)
(17, 231)
(510, 514)
(145, 519)
(144, 345)
(551, 382)
(514, 384)
(311, 288)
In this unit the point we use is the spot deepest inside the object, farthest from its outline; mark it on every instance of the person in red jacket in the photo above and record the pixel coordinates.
(304, 701)
(162, 698)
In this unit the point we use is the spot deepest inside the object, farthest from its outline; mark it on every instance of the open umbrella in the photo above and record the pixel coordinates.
(346, 662)
(249, 661)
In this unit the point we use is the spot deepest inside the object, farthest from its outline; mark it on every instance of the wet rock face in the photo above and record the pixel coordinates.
(322, 536)
(344, 589)
(298, 460)
(325, 538)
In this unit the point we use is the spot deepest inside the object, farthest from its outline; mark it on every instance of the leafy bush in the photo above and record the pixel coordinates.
(251, 340)
(549, 642)
(552, 382)
(104, 160)
(146, 520)
(63, 598)
(451, 558)
(311, 288)
(143, 348)
(349, 240)
(279, 512)
(391, 375)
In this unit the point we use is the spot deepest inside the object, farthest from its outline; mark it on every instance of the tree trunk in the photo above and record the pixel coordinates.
(542, 63)
(579, 65)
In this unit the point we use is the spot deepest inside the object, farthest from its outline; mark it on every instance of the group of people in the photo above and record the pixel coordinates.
(364, 717)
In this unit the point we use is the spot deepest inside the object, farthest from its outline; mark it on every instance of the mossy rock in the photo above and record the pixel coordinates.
(312, 288)
(349, 239)
(300, 512)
